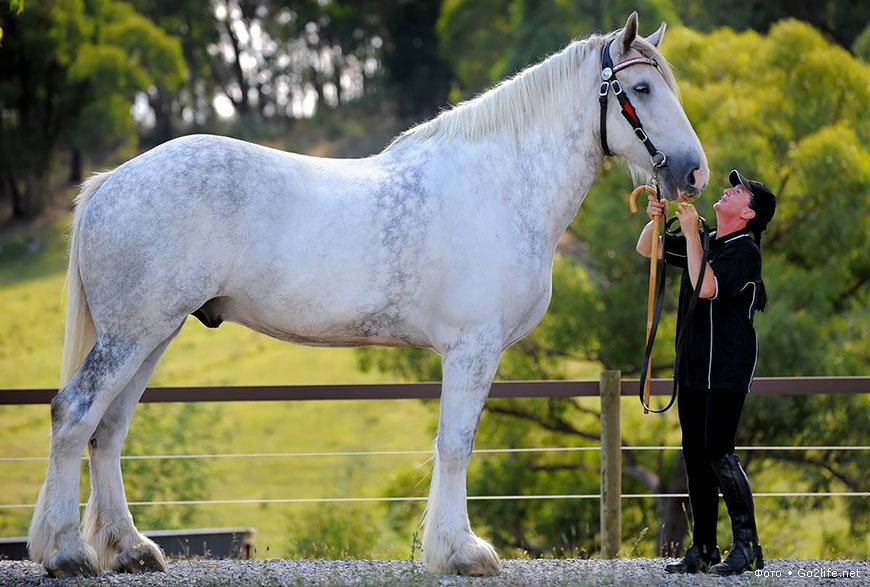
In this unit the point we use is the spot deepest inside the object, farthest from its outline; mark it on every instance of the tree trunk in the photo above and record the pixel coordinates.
(75, 166)
(29, 203)
(336, 77)
(243, 104)
(261, 100)
(161, 104)
(190, 57)
(674, 525)
(318, 85)
(10, 186)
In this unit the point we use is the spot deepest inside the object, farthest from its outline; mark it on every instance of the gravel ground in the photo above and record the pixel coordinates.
(516, 572)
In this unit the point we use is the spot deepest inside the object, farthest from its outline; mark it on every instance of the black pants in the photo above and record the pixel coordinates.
(709, 420)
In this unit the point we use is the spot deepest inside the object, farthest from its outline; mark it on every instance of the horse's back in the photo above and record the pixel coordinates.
(385, 250)
(289, 244)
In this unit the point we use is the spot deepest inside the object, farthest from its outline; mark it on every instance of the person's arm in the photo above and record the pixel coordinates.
(694, 251)
(644, 243)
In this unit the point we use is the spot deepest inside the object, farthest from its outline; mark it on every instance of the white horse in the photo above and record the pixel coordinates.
(444, 240)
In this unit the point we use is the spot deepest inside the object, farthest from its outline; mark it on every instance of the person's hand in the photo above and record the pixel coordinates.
(655, 207)
(688, 216)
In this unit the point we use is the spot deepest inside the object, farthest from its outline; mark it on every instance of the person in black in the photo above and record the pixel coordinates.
(718, 364)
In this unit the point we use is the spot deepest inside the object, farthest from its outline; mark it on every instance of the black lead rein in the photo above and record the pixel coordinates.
(660, 296)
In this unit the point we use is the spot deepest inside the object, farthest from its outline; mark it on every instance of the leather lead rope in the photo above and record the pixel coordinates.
(660, 165)
(682, 333)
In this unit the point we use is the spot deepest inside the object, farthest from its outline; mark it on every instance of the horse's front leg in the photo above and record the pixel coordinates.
(449, 545)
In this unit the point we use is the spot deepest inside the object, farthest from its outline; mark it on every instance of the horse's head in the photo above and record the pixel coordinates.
(649, 100)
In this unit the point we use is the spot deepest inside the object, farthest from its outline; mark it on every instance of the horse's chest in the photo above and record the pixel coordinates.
(526, 303)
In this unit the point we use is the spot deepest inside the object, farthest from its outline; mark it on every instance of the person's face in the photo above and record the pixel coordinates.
(734, 203)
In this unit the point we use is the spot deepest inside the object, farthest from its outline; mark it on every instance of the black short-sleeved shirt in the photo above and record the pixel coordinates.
(722, 349)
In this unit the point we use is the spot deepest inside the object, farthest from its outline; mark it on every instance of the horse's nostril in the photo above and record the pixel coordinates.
(690, 179)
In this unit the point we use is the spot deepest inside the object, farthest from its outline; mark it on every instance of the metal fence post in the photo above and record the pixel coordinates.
(611, 464)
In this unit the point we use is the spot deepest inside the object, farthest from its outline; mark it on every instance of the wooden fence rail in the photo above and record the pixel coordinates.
(554, 389)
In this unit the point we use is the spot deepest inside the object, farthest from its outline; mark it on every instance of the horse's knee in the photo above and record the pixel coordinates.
(69, 411)
(79, 407)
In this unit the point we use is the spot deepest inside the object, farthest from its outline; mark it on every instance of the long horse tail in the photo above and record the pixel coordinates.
(80, 334)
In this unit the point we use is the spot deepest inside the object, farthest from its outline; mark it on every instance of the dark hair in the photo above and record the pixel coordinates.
(763, 203)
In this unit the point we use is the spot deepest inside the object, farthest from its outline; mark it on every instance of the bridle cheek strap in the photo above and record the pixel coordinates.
(608, 83)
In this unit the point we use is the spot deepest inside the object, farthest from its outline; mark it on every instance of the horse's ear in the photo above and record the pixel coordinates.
(628, 33)
(655, 39)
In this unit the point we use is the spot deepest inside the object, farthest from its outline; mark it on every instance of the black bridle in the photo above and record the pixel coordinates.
(609, 82)
(660, 165)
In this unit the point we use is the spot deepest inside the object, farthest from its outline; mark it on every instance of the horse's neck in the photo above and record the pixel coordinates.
(542, 176)
(565, 164)
(546, 176)
(541, 180)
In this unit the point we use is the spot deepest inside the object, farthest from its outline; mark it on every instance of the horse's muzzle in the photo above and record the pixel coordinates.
(688, 197)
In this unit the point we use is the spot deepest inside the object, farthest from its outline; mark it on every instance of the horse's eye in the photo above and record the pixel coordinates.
(641, 89)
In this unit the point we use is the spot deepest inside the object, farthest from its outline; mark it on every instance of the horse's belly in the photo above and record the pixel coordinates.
(314, 325)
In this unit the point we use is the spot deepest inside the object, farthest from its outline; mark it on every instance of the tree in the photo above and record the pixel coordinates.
(127, 53)
(18, 7)
(487, 41)
(69, 72)
(283, 52)
(773, 107)
(839, 20)
(194, 24)
(417, 76)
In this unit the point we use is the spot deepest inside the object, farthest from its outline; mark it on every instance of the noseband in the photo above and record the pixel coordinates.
(608, 83)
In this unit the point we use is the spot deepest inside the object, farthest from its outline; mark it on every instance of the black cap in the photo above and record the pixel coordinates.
(763, 200)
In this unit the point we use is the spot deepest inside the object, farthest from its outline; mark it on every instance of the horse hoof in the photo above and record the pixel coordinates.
(66, 563)
(145, 557)
(473, 556)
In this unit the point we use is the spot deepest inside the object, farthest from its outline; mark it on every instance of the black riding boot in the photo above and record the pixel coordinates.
(746, 554)
(698, 559)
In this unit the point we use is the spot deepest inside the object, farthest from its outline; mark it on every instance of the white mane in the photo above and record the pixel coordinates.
(541, 91)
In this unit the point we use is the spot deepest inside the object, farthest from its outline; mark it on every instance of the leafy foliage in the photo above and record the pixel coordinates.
(486, 41)
(335, 531)
(69, 71)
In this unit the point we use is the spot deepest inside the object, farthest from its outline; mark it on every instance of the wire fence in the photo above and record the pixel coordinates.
(316, 500)
(381, 453)
(429, 453)
(548, 389)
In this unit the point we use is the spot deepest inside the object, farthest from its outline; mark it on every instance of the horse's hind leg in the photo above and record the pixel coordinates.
(449, 545)
(55, 539)
(107, 524)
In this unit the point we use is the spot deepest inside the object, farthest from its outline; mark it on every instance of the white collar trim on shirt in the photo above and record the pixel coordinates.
(734, 238)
